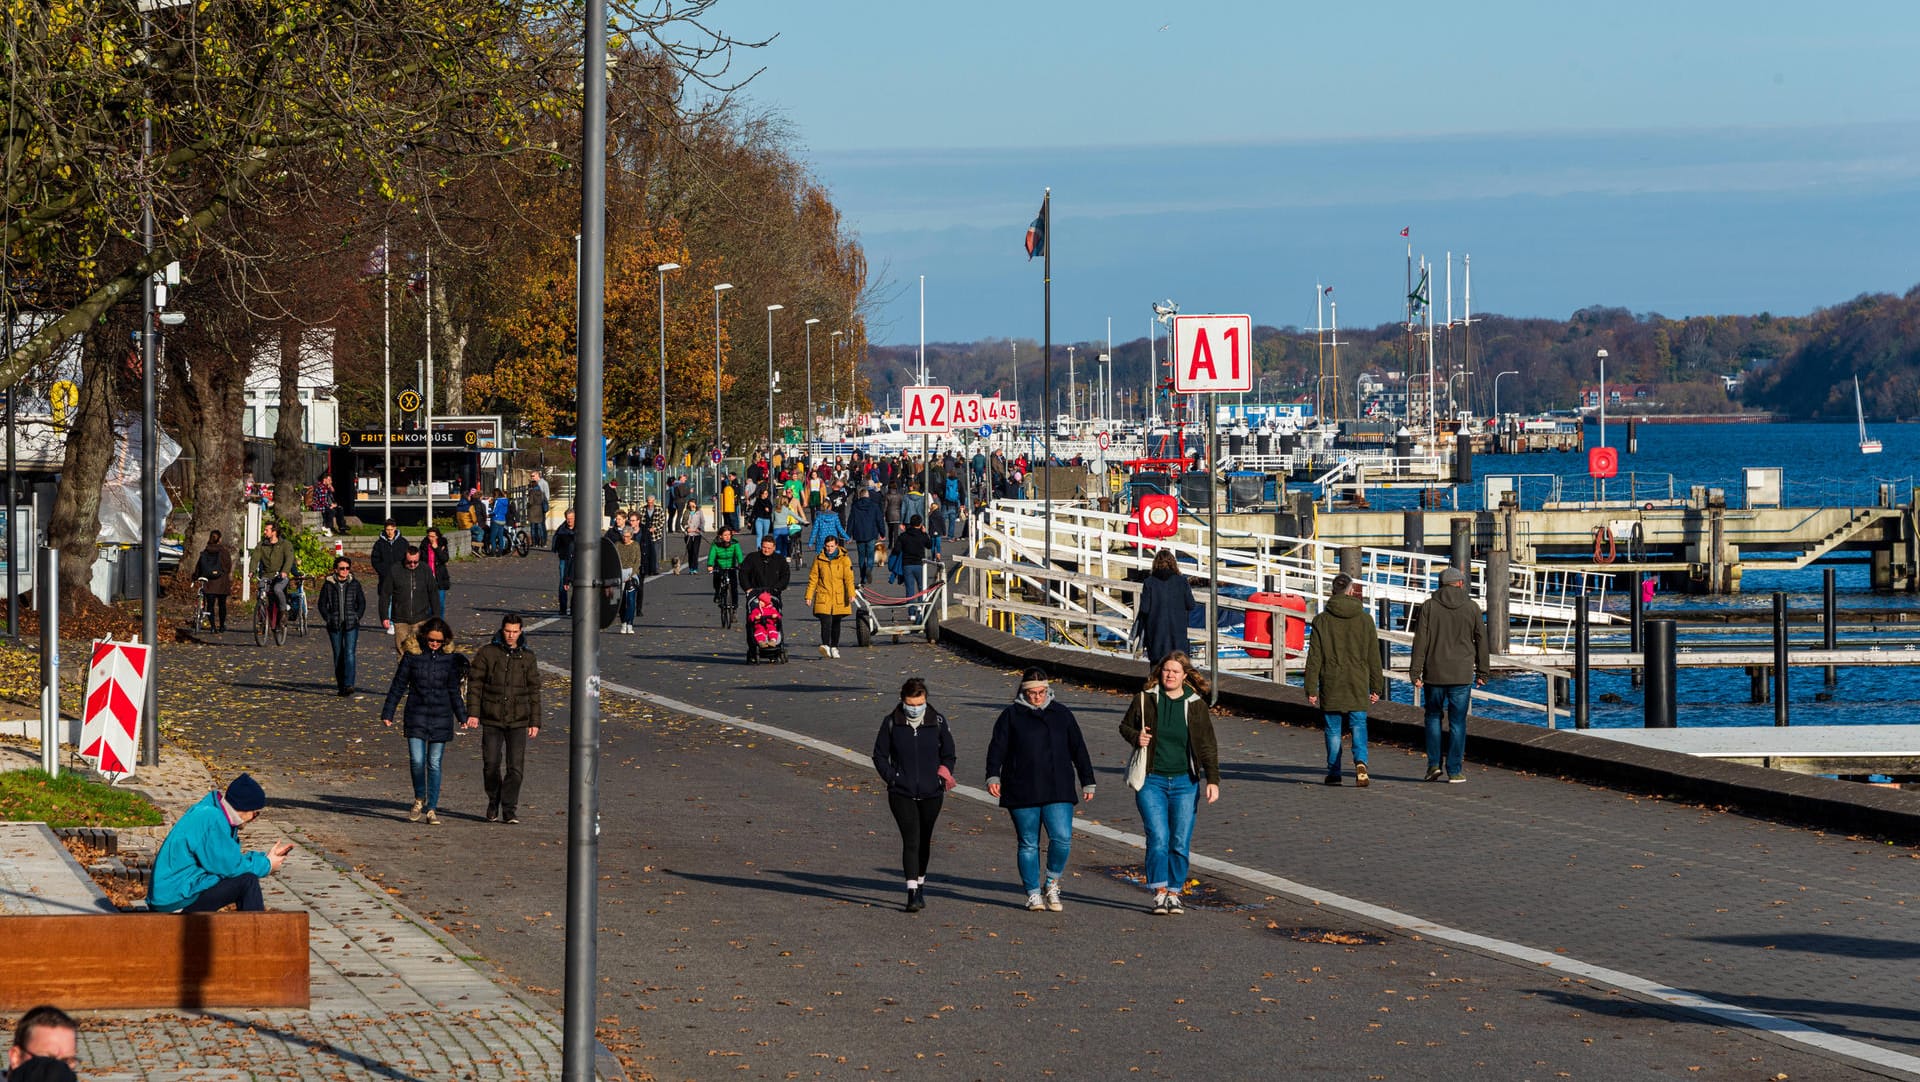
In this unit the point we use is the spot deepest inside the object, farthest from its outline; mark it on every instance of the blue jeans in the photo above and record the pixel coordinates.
(783, 543)
(1167, 804)
(345, 642)
(496, 537)
(423, 759)
(916, 574)
(629, 602)
(540, 529)
(761, 528)
(443, 604)
(1451, 699)
(1058, 819)
(566, 581)
(865, 549)
(1352, 719)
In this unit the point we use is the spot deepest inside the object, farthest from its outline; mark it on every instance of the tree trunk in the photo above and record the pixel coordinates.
(289, 448)
(210, 396)
(456, 346)
(73, 526)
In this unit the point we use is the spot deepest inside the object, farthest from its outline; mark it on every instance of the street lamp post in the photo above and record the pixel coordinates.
(810, 324)
(1070, 417)
(719, 444)
(1602, 354)
(771, 309)
(661, 271)
(1496, 391)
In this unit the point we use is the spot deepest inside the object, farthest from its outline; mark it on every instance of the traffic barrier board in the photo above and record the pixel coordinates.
(116, 697)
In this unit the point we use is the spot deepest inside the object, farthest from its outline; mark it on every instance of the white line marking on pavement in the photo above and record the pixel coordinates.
(538, 624)
(1786, 1029)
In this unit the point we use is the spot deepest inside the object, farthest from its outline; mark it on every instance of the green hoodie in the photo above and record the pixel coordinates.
(1343, 657)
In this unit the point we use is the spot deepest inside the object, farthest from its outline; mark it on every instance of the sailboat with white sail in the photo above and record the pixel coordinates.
(1868, 445)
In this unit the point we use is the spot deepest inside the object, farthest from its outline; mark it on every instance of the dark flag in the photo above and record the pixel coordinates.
(1037, 232)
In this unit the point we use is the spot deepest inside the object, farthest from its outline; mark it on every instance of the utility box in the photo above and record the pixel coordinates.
(1763, 486)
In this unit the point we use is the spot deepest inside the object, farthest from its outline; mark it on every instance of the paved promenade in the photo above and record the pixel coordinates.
(1513, 927)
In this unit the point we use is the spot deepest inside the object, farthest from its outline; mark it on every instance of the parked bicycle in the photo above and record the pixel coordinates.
(516, 540)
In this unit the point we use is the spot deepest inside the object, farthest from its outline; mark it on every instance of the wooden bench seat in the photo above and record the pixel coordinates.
(101, 961)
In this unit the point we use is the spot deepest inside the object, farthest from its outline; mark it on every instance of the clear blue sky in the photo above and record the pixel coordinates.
(1675, 157)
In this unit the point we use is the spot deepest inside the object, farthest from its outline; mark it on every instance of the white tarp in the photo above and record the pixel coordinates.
(120, 493)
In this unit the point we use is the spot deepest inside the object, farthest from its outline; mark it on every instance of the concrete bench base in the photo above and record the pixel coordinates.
(155, 960)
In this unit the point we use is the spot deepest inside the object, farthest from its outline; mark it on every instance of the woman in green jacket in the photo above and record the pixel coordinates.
(725, 559)
(1169, 718)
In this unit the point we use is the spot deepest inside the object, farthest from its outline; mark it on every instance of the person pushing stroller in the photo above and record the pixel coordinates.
(765, 575)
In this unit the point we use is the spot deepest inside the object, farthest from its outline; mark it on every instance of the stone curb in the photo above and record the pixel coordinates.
(1804, 799)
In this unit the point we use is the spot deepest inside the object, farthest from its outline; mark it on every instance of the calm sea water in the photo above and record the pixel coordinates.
(1822, 466)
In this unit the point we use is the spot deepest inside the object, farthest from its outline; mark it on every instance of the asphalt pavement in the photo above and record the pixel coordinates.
(750, 893)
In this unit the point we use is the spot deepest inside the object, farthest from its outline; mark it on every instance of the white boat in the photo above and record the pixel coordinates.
(1868, 445)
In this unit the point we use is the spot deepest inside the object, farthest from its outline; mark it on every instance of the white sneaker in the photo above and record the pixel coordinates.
(626, 629)
(1036, 903)
(1052, 894)
(835, 649)
(825, 650)
(389, 631)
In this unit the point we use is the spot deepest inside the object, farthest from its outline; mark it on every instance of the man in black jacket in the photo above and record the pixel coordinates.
(409, 597)
(342, 603)
(766, 570)
(504, 695)
(388, 549)
(563, 548)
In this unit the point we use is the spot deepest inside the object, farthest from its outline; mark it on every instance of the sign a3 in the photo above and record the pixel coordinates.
(926, 411)
(1212, 354)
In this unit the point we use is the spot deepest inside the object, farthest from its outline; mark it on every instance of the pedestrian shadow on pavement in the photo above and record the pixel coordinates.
(359, 807)
(884, 892)
(1845, 946)
(318, 687)
(1281, 772)
(341, 1056)
(1824, 1015)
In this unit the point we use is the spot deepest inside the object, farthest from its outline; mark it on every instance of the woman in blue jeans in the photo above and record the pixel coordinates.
(1034, 759)
(1169, 719)
(429, 676)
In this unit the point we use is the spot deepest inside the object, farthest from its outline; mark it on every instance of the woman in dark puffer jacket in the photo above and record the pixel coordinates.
(914, 755)
(430, 677)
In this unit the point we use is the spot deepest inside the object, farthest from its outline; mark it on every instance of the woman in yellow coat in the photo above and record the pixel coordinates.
(830, 592)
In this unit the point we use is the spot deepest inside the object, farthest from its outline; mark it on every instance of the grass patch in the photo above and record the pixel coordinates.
(28, 796)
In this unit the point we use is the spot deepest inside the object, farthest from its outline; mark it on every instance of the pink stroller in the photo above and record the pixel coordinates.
(765, 639)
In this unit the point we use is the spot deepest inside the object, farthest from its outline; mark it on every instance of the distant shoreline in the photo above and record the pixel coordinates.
(1693, 418)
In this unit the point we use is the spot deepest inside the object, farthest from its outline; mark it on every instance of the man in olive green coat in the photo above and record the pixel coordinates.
(503, 691)
(1343, 673)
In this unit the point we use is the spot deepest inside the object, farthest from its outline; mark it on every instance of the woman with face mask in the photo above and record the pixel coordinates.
(914, 755)
(1033, 762)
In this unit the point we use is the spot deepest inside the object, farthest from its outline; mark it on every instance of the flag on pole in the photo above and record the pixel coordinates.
(1036, 242)
(1329, 291)
(1407, 232)
(1417, 300)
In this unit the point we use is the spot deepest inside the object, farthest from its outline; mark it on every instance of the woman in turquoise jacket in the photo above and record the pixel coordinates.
(201, 868)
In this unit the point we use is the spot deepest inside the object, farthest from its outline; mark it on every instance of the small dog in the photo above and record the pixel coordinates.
(679, 565)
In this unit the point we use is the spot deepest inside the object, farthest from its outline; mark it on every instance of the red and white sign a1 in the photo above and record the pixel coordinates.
(925, 411)
(116, 695)
(1212, 354)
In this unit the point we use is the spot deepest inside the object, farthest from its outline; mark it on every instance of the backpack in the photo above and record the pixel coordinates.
(953, 490)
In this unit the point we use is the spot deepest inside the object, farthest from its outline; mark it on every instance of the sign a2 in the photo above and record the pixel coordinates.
(1212, 354)
(926, 411)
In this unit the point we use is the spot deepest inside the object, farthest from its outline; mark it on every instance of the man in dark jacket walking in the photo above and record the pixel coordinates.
(1343, 674)
(342, 603)
(765, 569)
(563, 540)
(409, 597)
(503, 693)
(1449, 661)
(866, 522)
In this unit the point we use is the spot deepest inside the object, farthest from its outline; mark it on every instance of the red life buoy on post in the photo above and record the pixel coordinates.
(1157, 516)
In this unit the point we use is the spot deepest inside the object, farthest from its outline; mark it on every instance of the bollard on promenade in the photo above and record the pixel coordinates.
(1662, 696)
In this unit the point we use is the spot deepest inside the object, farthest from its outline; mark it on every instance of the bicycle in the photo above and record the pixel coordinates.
(297, 600)
(726, 595)
(203, 620)
(268, 621)
(516, 540)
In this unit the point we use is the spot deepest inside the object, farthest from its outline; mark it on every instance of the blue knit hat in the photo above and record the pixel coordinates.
(245, 794)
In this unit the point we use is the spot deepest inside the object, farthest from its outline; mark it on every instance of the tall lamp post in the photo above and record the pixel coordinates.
(719, 443)
(661, 271)
(1602, 354)
(771, 309)
(1496, 391)
(810, 324)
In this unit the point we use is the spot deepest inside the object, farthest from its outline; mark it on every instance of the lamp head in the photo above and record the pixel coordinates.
(723, 287)
(775, 307)
(1600, 353)
(811, 322)
(664, 267)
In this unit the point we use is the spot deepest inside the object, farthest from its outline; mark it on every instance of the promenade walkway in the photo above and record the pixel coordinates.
(1516, 926)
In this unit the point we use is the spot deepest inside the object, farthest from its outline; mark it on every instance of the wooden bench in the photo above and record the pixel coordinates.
(62, 942)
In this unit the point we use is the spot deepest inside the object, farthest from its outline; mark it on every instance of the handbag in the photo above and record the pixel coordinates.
(1137, 762)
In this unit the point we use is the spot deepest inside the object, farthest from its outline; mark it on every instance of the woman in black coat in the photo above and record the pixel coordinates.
(1160, 625)
(914, 755)
(429, 676)
(1033, 761)
(434, 553)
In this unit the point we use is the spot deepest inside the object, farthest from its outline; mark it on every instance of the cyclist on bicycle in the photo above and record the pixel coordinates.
(725, 559)
(273, 564)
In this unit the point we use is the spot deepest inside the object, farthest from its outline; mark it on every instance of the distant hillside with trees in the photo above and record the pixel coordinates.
(1795, 366)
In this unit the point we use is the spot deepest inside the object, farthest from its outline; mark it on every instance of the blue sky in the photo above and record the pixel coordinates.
(1675, 157)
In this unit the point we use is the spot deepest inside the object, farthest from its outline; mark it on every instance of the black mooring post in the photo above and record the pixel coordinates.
(1383, 620)
(1779, 658)
(1662, 696)
(1581, 698)
(1636, 625)
(1829, 626)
